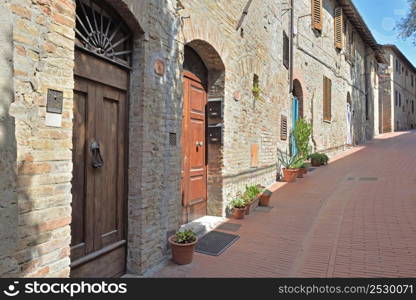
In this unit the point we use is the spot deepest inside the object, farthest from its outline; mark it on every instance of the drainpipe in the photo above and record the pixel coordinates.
(291, 24)
(367, 104)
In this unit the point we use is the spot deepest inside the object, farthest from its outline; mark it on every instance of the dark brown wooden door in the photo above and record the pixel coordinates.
(194, 167)
(98, 247)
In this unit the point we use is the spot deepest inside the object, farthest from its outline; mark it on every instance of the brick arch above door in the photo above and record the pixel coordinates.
(298, 75)
(206, 31)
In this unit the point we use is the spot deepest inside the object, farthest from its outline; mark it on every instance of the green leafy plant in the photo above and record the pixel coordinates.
(321, 157)
(238, 202)
(256, 87)
(315, 156)
(305, 165)
(298, 164)
(289, 162)
(324, 159)
(185, 237)
(256, 92)
(252, 191)
(302, 134)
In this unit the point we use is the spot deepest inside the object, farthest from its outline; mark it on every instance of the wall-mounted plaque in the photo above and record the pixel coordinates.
(55, 101)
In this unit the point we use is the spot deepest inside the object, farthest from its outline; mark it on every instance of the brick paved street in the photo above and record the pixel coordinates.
(353, 218)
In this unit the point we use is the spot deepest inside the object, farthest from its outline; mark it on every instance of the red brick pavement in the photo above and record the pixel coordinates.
(331, 223)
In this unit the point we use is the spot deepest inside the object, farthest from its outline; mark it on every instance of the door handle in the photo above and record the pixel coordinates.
(97, 160)
(199, 144)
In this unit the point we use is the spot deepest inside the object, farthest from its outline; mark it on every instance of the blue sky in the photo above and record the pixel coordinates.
(381, 17)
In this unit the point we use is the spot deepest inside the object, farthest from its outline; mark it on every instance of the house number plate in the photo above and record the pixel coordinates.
(55, 102)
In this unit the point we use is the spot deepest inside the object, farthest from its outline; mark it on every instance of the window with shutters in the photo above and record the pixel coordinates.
(283, 128)
(317, 15)
(327, 93)
(285, 50)
(338, 28)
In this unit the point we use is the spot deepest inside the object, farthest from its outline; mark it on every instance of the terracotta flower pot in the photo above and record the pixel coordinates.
(316, 162)
(252, 205)
(238, 213)
(265, 198)
(302, 171)
(290, 174)
(182, 254)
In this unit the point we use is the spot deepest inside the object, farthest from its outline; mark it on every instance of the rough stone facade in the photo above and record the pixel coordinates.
(37, 42)
(315, 57)
(398, 92)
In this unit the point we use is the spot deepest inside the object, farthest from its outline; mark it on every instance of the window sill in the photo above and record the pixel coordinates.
(328, 121)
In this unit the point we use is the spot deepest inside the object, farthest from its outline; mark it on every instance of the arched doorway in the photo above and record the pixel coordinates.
(202, 130)
(298, 94)
(349, 120)
(102, 71)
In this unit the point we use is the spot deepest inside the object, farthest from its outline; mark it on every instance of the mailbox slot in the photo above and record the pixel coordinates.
(215, 109)
(215, 134)
(54, 101)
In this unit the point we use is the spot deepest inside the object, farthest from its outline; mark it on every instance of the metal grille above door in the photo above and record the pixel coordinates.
(102, 32)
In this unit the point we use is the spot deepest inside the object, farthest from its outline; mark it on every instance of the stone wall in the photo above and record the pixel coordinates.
(8, 196)
(41, 156)
(398, 115)
(315, 57)
(43, 40)
(255, 48)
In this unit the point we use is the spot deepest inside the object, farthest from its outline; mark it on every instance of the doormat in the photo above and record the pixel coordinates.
(229, 227)
(215, 243)
(265, 209)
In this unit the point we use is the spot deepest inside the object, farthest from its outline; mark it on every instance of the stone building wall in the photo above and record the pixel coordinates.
(404, 118)
(37, 46)
(256, 48)
(315, 57)
(8, 195)
(42, 39)
(41, 33)
(398, 115)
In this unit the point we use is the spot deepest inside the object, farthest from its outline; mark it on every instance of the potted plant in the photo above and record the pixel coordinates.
(302, 169)
(302, 133)
(183, 246)
(238, 206)
(251, 197)
(265, 198)
(290, 169)
(319, 159)
(324, 159)
(315, 159)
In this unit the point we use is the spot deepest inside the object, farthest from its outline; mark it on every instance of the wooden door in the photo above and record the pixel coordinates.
(98, 247)
(194, 164)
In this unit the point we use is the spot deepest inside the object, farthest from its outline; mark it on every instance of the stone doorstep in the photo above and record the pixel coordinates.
(203, 225)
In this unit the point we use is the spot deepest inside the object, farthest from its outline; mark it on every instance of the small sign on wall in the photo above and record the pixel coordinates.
(54, 105)
(53, 120)
(254, 155)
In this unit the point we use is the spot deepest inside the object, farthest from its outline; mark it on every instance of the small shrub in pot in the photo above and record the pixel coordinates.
(183, 246)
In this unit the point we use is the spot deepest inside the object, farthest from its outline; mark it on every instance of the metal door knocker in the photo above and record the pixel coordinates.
(97, 160)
